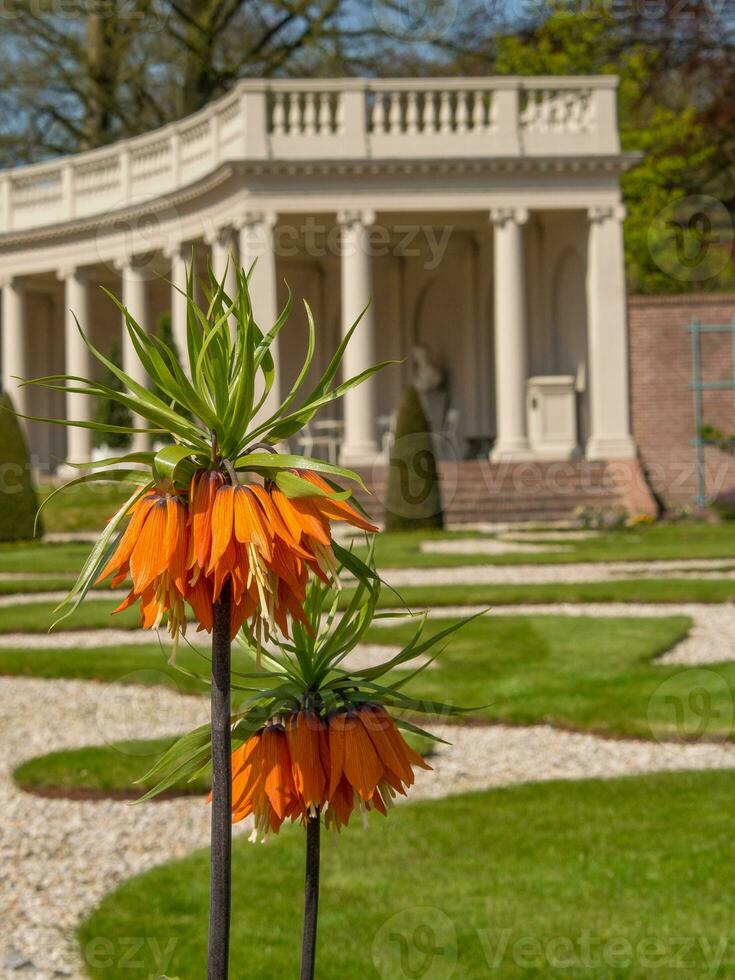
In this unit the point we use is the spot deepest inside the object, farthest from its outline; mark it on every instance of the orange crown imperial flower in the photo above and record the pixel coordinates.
(357, 760)
(180, 549)
(152, 552)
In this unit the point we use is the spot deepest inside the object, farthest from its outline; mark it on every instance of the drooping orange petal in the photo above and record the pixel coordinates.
(304, 732)
(377, 723)
(148, 559)
(222, 524)
(361, 766)
(204, 486)
(177, 541)
(336, 750)
(279, 786)
(138, 513)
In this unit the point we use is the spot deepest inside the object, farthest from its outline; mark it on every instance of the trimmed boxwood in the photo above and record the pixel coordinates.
(413, 500)
(19, 500)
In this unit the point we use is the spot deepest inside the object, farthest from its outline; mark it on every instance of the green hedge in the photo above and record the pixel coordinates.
(19, 501)
(413, 500)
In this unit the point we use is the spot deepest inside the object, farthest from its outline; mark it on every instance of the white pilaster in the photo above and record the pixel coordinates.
(607, 337)
(258, 257)
(14, 354)
(77, 363)
(360, 446)
(181, 256)
(135, 301)
(511, 340)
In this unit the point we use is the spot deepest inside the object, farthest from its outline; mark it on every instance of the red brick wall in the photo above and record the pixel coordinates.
(662, 403)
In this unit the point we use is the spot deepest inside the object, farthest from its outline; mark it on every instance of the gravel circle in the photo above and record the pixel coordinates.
(58, 858)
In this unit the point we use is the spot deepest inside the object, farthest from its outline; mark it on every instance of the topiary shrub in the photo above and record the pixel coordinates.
(413, 499)
(19, 501)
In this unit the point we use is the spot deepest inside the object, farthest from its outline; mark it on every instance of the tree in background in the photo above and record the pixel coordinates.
(20, 504)
(669, 108)
(94, 73)
(413, 498)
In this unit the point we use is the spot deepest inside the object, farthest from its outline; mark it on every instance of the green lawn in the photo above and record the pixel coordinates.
(48, 559)
(592, 674)
(598, 880)
(623, 590)
(660, 541)
(402, 549)
(145, 665)
(37, 617)
(588, 673)
(113, 769)
(116, 769)
(95, 611)
(83, 508)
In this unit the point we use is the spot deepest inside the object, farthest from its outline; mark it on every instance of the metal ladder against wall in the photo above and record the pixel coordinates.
(697, 385)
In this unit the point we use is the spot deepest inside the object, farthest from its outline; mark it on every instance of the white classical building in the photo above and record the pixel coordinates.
(482, 217)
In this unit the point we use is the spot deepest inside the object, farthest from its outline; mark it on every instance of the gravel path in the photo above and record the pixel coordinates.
(59, 858)
(710, 640)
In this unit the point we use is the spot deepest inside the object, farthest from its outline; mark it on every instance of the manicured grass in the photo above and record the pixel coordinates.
(83, 508)
(38, 558)
(113, 769)
(589, 673)
(116, 769)
(402, 549)
(96, 613)
(147, 665)
(37, 617)
(591, 879)
(592, 674)
(660, 541)
(623, 590)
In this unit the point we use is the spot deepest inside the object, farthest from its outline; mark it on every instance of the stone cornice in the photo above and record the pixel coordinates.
(498, 166)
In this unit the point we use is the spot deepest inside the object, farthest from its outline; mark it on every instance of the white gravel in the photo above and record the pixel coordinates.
(59, 858)
(485, 546)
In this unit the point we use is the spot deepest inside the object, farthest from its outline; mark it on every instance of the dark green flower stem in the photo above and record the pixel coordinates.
(221, 841)
(311, 897)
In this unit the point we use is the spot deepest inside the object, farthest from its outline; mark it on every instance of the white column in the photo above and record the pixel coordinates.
(258, 257)
(181, 256)
(134, 300)
(77, 363)
(511, 340)
(607, 337)
(14, 354)
(360, 446)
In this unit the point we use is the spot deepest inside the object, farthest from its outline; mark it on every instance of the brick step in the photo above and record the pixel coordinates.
(474, 492)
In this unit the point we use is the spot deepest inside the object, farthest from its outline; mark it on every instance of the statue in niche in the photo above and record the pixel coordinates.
(429, 378)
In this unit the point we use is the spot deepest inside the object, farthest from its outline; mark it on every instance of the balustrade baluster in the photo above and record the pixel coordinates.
(308, 124)
(412, 113)
(445, 113)
(462, 113)
(279, 114)
(379, 116)
(394, 113)
(478, 112)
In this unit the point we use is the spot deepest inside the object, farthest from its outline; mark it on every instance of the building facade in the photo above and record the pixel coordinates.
(478, 220)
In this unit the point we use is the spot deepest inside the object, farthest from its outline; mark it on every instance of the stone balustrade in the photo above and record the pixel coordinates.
(350, 119)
